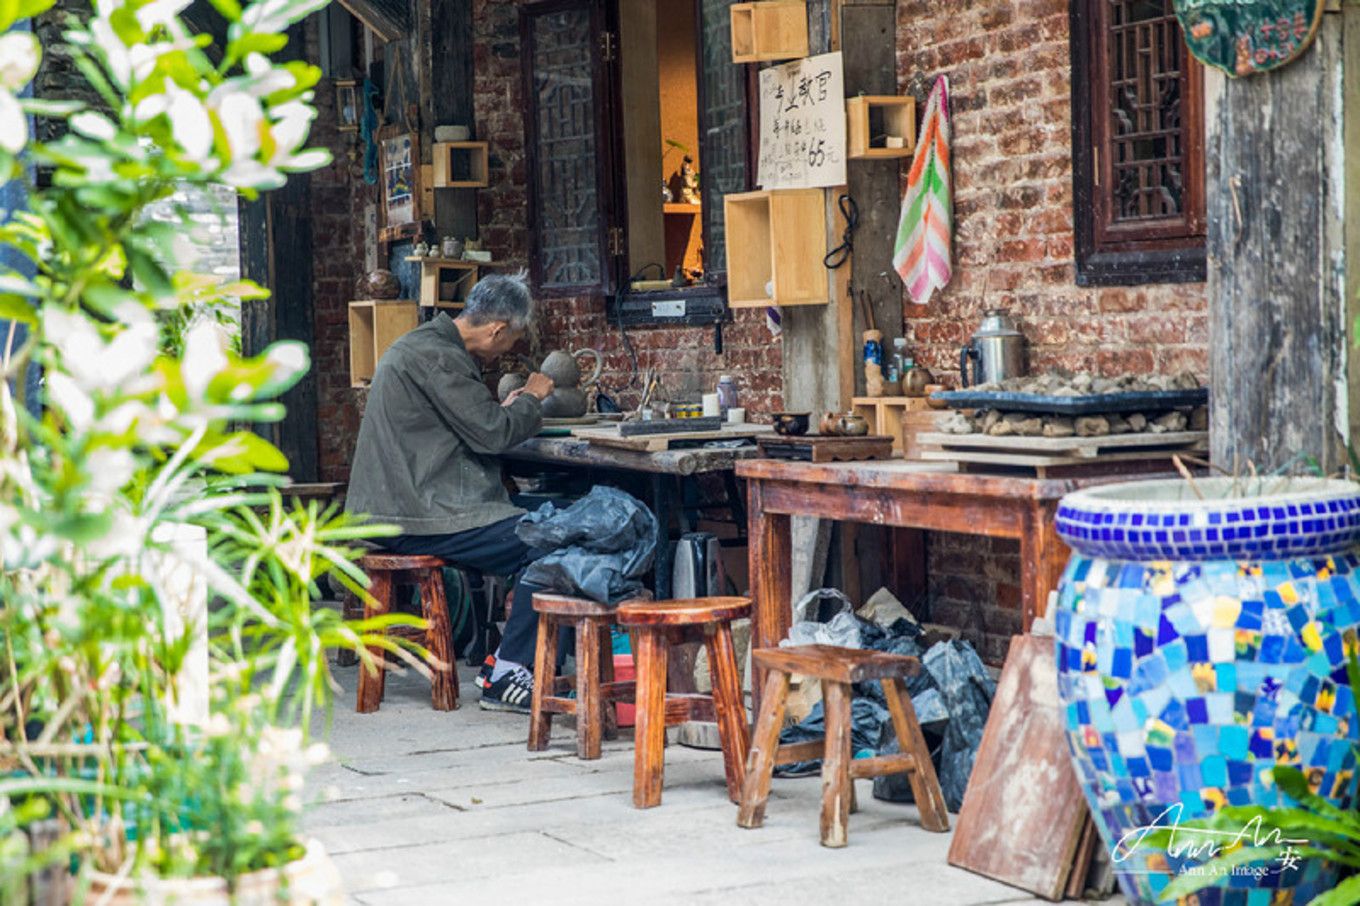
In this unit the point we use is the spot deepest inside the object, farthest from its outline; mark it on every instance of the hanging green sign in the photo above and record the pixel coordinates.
(1242, 37)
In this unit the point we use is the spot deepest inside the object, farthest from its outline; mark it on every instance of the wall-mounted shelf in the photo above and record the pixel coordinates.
(461, 165)
(374, 325)
(776, 237)
(870, 117)
(769, 30)
(445, 282)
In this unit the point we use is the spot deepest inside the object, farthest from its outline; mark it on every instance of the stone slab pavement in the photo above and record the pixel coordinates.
(422, 808)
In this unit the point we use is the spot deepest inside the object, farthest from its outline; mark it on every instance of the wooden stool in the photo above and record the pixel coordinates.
(385, 573)
(838, 668)
(596, 690)
(657, 624)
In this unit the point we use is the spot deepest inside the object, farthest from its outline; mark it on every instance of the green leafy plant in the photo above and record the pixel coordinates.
(145, 543)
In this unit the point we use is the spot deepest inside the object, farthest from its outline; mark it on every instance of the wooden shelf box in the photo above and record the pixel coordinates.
(776, 237)
(901, 418)
(870, 116)
(769, 30)
(461, 165)
(374, 325)
(446, 282)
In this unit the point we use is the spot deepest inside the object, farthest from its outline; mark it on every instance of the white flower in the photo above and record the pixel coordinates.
(191, 125)
(291, 128)
(160, 12)
(66, 395)
(94, 125)
(109, 470)
(204, 357)
(13, 124)
(93, 363)
(20, 54)
(115, 52)
(241, 117)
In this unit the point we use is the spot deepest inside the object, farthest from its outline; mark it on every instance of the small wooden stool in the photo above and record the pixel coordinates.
(838, 668)
(657, 624)
(596, 690)
(385, 573)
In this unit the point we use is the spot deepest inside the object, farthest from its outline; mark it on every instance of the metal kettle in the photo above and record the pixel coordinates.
(997, 350)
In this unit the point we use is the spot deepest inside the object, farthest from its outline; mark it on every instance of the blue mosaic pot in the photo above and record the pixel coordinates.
(1199, 644)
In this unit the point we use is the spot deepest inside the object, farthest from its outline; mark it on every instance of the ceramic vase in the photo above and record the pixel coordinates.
(1200, 644)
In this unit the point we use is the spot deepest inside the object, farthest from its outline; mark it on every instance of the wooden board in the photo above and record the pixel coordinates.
(818, 448)
(1066, 447)
(974, 461)
(1023, 814)
(655, 443)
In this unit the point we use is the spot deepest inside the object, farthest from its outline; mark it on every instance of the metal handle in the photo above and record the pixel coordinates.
(599, 366)
(967, 352)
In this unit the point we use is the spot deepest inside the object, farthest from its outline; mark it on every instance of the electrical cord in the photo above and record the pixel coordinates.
(841, 253)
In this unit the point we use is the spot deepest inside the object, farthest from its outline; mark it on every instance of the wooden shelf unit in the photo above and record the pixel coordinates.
(777, 237)
(374, 325)
(679, 207)
(899, 417)
(461, 165)
(769, 30)
(432, 276)
(899, 119)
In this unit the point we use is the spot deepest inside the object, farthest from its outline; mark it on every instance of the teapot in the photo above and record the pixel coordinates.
(568, 399)
(997, 350)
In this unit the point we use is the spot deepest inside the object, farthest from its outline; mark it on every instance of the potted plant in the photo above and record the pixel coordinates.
(161, 657)
(1203, 630)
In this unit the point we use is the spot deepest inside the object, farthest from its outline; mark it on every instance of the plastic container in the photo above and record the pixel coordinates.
(624, 672)
(727, 394)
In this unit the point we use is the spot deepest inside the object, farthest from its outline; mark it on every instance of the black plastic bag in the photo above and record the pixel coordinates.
(600, 547)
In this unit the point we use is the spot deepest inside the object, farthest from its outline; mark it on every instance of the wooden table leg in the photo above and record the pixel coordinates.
(371, 678)
(649, 752)
(755, 789)
(545, 675)
(733, 732)
(836, 764)
(770, 562)
(1043, 556)
(589, 709)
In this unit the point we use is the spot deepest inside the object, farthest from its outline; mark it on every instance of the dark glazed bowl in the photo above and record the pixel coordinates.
(791, 424)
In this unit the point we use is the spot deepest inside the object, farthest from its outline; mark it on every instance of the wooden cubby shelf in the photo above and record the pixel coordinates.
(776, 237)
(461, 165)
(374, 325)
(445, 282)
(870, 117)
(769, 30)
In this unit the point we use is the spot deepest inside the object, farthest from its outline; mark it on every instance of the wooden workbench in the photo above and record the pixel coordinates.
(908, 495)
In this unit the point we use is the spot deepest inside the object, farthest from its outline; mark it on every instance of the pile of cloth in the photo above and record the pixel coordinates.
(951, 696)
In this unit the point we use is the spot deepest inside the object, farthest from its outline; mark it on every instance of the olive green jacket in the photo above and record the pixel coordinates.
(426, 459)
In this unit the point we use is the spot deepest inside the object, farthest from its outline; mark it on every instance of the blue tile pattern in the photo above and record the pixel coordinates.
(1241, 529)
(1184, 680)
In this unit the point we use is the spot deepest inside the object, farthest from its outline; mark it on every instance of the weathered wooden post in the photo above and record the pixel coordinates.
(1284, 254)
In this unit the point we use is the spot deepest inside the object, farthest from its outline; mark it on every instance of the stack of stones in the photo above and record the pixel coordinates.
(1032, 424)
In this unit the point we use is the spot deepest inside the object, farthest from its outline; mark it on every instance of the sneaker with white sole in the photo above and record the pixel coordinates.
(513, 692)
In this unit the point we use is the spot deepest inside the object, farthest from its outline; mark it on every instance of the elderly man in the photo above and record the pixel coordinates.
(427, 457)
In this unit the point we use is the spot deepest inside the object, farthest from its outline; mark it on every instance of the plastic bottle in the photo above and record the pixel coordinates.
(727, 394)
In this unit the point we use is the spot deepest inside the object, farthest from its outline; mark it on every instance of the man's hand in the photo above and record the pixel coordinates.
(540, 385)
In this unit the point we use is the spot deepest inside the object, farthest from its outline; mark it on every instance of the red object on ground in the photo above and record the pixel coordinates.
(624, 672)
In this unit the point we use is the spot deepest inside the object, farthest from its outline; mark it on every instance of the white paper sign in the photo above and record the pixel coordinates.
(802, 124)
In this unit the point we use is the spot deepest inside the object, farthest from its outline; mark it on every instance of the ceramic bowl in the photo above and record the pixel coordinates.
(791, 424)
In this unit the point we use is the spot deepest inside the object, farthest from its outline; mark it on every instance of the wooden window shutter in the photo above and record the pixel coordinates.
(568, 54)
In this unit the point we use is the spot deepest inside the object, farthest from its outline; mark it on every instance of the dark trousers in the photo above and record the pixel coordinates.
(496, 551)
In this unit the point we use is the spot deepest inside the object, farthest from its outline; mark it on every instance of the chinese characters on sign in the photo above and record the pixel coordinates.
(802, 124)
(1242, 37)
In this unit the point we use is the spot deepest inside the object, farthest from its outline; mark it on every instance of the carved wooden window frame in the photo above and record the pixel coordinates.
(1109, 251)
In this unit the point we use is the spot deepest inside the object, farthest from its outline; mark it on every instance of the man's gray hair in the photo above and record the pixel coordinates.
(500, 297)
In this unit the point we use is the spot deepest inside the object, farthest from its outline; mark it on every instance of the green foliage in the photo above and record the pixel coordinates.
(133, 493)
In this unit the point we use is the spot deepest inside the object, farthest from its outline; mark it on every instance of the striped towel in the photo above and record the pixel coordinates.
(922, 252)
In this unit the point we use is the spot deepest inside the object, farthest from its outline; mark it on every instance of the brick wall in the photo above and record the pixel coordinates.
(1010, 83)
(339, 197)
(684, 356)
